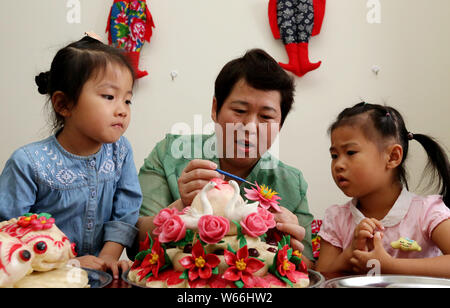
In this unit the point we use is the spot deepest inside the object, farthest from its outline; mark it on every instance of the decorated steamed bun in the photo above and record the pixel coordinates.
(51, 248)
(15, 260)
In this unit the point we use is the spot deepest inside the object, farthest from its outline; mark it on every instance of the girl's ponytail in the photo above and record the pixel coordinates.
(437, 163)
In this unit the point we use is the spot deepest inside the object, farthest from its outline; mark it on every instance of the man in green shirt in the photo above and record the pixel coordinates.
(252, 98)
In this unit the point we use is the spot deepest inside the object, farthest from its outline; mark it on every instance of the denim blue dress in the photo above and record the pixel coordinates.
(94, 199)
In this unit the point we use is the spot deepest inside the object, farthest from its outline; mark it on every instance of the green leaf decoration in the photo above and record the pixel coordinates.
(285, 279)
(215, 270)
(149, 275)
(231, 249)
(242, 242)
(296, 260)
(239, 284)
(185, 274)
(46, 215)
(28, 214)
(188, 238)
(273, 268)
(240, 235)
(289, 253)
(141, 255)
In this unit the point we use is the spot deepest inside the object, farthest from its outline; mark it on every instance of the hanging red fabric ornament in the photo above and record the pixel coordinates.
(129, 25)
(295, 21)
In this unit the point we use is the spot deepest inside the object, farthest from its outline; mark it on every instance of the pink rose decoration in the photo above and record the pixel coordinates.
(212, 228)
(268, 217)
(173, 230)
(254, 225)
(163, 216)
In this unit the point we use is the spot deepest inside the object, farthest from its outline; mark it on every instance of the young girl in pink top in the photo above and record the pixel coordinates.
(402, 232)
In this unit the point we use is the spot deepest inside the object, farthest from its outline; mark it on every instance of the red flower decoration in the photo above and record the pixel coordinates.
(199, 264)
(153, 261)
(42, 223)
(25, 221)
(241, 266)
(284, 266)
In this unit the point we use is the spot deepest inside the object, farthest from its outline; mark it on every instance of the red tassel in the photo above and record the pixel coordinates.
(319, 13)
(273, 19)
(108, 27)
(149, 24)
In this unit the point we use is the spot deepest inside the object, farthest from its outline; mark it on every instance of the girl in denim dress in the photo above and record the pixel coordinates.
(84, 174)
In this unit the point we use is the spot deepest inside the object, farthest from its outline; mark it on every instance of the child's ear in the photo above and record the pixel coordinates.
(395, 156)
(214, 110)
(61, 104)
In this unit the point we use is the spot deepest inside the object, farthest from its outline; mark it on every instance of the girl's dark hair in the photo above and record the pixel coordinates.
(73, 66)
(261, 72)
(389, 123)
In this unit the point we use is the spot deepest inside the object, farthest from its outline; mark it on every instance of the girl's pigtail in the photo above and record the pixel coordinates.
(437, 163)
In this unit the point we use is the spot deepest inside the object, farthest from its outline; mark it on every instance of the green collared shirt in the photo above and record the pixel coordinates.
(162, 168)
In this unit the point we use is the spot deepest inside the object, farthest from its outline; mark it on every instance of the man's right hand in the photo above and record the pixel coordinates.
(194, 177)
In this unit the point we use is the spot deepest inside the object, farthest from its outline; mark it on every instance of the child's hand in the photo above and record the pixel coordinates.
(92, 262)
(116, 266)
(365, 230)
(360, 258)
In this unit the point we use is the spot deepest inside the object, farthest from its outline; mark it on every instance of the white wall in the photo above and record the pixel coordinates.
(197, 37)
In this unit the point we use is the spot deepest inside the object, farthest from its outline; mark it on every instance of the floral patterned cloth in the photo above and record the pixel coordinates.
(295, 20)
(130, 24)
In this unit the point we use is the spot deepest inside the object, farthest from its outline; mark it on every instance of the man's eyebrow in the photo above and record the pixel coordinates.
(269, 108)
(245, 104)
(240, 103)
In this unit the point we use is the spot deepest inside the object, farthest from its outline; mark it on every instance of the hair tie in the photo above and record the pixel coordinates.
(410, 136)
(388, 114)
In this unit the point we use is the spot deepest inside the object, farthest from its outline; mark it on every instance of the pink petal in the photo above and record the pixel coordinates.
(187, 262)
(252, 194)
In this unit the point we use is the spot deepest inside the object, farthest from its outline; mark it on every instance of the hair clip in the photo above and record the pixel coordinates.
(388, 114)
(93, 35)
(410, 136)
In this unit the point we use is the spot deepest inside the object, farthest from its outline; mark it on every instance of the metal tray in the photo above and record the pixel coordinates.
(98, 279)
(316, 279)
(387, 281)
